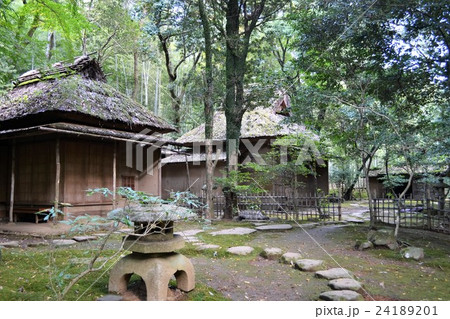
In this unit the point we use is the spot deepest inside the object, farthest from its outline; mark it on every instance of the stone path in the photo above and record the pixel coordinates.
(274, 227)
(234, 231)
(308, 264)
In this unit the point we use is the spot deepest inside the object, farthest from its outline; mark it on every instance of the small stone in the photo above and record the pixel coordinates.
(415, 253)
(290, 257)
(340, 295)
(110, 298)
(234, 231)
(207, 246)
(188, 233)
(240, 250)
(308, 264)
(383, 237)
(271, 253)
(345, 284)
(11, 244)
(364, 245)
(275, 227)
(84, 238)
(63, 242)
(334, 273)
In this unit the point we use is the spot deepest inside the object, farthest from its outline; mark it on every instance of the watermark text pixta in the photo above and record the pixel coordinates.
(143, 151)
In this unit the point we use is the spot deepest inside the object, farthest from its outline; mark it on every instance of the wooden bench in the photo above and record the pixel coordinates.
(19, 210)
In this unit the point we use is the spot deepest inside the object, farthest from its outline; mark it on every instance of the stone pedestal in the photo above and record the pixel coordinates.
(156, 271)
(153, 256)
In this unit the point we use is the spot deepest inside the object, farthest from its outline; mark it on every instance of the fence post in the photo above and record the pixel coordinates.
(339, 209)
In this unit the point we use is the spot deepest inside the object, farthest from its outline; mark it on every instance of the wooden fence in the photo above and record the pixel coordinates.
(414, 213)
(284, 207)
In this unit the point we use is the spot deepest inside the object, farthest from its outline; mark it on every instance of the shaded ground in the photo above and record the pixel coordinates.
(384, 273)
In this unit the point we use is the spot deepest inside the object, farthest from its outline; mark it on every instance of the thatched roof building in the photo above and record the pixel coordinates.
(260, 126)
(258, 123)
(65, 130)
(69, 95)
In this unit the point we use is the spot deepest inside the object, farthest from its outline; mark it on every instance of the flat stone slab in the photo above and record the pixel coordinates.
(207, 246)
(272, 253)
(340, 295)
(234, 231)
(240, 250)
(191, 239)
(290, 257)
(275, 227)
(11, 244)
(84, 238)
(308, 264)
(334, 273)
(63, 242)
(190, 232)
(345, 284)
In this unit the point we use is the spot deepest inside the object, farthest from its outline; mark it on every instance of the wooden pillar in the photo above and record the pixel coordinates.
(13, 181)
(57, 176)
(114, 185)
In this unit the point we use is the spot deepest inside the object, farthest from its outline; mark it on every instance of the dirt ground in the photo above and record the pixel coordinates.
(253, 278)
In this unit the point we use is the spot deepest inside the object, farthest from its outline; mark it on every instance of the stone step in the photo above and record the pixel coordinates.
(334, 273)
(341, 295)
(308, 264)
(240, 250)
(345, 284)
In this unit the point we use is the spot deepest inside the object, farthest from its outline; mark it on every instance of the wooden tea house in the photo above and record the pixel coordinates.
(64, 131)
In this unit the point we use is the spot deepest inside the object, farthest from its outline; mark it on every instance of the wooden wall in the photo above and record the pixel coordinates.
(174, 177)
(86, 164)
(4, 180)
(35, 173)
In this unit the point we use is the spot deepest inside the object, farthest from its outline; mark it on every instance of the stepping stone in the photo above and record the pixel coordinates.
(289, 257)
(84, 238)
(272, 253)
(188, 233)
(345, 284)
(240, 250)
(275, 227)
(11, 244)
(234, 231)
(259, 224)
(308, 264)
(191, 239)
(207, 246)
(341, 295)
(334, 273)
(63, 242)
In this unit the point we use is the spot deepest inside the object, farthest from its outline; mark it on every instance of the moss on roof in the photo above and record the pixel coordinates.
(77, 94)
(260, 122)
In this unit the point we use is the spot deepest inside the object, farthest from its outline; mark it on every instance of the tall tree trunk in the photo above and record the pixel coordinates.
(366, 170)
(233, 106)
(237, 46)
(348, 193)
(135, 75)
(50, 45)
(208, 110)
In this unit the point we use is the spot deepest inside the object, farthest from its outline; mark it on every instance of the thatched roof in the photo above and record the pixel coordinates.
(260, 122)
(76, 95)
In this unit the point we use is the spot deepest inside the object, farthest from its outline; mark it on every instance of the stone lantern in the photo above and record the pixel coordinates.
(153, 256)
